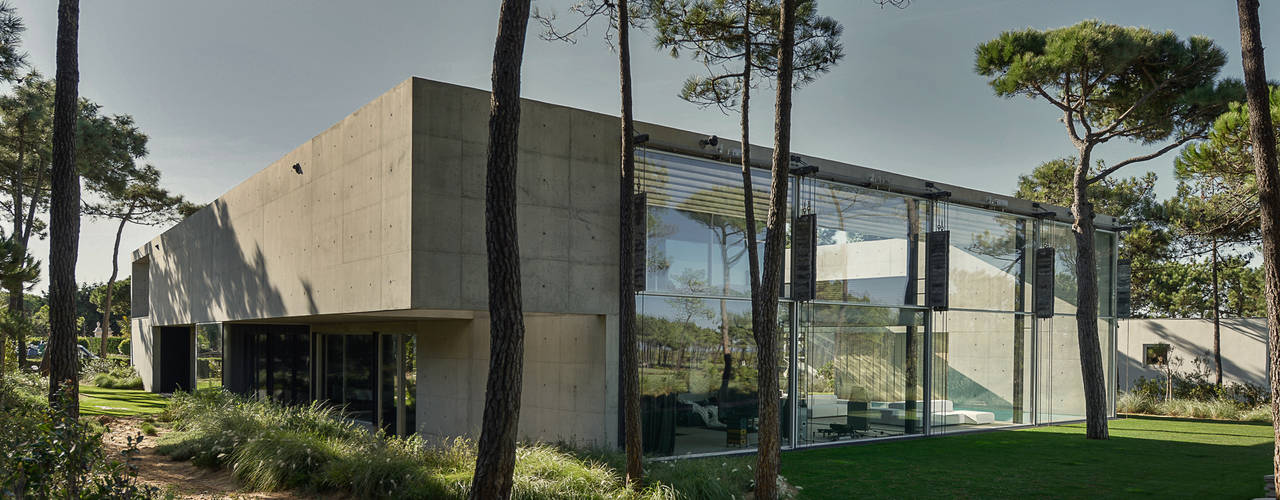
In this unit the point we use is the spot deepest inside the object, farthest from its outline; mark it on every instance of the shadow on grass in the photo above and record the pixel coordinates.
(1040, 464)
(119, 402)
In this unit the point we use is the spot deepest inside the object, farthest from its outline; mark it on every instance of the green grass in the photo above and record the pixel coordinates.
(1146, 457)
(119, 402)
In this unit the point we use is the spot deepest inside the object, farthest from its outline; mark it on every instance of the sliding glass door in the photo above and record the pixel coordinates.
(371, 376)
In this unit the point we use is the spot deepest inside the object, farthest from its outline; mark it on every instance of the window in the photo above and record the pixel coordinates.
(1155, 354)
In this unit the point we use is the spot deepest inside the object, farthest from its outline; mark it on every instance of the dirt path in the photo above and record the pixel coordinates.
(183, 478)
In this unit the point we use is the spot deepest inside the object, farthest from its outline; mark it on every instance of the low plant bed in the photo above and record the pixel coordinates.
(312, 448)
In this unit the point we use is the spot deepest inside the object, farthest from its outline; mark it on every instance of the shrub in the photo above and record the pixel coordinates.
(148, 428)
(50, 456)
(109, 374)
(93, 343)
(124, 347)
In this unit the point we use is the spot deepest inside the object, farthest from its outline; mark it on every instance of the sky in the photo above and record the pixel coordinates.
(225, 88)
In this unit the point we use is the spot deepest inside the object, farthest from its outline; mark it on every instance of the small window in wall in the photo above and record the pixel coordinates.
(1155, 354)
(139, 305)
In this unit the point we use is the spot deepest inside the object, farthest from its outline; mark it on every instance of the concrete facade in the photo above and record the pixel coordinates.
(1243, 340)
(383, 231)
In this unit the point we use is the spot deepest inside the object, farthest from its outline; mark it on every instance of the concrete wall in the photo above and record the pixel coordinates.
(142, 350)
(334, 239)
(567, 203)
(568, 394)
(1244, 348)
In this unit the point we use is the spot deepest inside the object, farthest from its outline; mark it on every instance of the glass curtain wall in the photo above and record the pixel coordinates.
(697, 352)
(208, 355)
(372, 377)
(982, 345)
(870, 359)
(862, 339)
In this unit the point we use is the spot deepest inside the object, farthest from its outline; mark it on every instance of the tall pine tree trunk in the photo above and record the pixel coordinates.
(1217, 313)
(1095, 387)
(766, 300)
(64, 218)
(748, 192)
(17, 305)
(496, 454)
(115, 270)
(627, 328)
(1262, 133)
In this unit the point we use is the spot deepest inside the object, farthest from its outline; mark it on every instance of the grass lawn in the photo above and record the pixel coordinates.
(95, 400)
(1145, 457)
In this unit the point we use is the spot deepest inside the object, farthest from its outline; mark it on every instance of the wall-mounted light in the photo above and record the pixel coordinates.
(712, 141)
(297, 168)
(640, 139)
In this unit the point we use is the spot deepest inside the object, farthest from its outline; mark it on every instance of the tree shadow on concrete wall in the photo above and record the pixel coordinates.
(201, 266)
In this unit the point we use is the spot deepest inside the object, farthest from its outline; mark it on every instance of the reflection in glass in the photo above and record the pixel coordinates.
(697, 225)
(988, 264)
(861, 372)
(865, 244)
(1104, 245)
(349, 362)
(982, 370)
(208, 355)
(698, 374)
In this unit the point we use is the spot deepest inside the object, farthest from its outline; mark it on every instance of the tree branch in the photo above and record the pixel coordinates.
(1103, 174)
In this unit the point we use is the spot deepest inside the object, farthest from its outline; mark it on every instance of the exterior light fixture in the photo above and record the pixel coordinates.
(297, 168)
(712, 141)
(640, 139)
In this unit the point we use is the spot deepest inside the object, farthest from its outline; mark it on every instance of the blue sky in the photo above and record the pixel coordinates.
(225, 88)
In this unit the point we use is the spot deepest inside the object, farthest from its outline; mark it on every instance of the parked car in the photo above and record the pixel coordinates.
(36, 351)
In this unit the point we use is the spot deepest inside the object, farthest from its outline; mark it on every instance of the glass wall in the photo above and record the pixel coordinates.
(868, 244)
(371, 377)
(871, 360)
(698, 380)
(208, 355)
(860, 372)
(697, 224)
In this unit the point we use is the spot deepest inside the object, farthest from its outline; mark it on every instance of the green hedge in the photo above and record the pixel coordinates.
(113, 344)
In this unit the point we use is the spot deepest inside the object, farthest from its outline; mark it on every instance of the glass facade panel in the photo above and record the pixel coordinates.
(698, 374)
(982, 370)
(869, 244)
(988, 260)
(208, 355)
(1061, 384)
(697, 224)
(1063, 241)
(1104, 246)
(861, 372)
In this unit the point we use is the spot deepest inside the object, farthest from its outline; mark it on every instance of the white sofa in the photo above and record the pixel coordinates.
(893, 413)
(942, 412)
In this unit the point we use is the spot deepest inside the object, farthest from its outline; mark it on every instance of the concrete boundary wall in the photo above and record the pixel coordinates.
(1244, 348)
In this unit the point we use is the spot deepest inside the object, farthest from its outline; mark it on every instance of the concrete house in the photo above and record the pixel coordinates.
(352, 271)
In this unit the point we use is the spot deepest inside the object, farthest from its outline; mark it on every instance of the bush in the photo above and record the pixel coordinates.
(124, 347)
(113, 343)
(50, 456)
(270, 447)
(111, 374)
